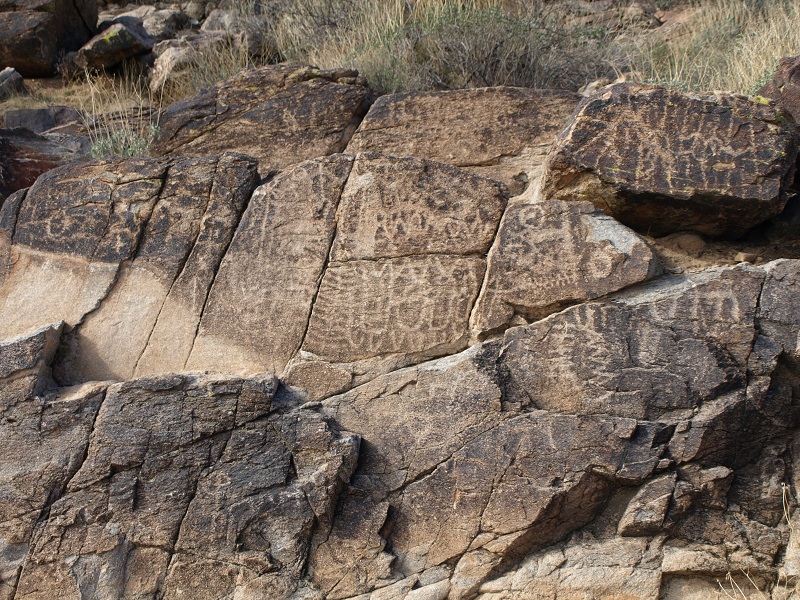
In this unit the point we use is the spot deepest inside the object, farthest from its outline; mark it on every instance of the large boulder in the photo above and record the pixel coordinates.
(112, 46)
(36, 33)
(784, 88)
(500, 132)
(280, 115)
(661, 161)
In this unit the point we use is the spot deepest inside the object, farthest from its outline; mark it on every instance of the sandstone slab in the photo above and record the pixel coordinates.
(701, 326)
(148, 320)
(501, 132)
(661, 161)
(280, 115)
(258, 309)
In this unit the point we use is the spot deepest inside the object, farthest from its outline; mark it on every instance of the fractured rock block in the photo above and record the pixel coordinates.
(280, 115)
(682, 342)
(499, 132)
(550, 254)
(661, 161)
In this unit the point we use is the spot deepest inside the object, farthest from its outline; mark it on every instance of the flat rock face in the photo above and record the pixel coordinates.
(464, 468)
(785, 86)
(36, 33)
(551, 254)
(660, 161)
(280, 115)
(503, 133)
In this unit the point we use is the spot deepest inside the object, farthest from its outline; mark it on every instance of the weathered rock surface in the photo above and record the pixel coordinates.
(111, 46)
(159, 24)
(660, 161)
(36, 33)
(251, 31)
(40, 120)
(462, 470)
(188, 210)
(503, 133)
(116, 491)
(25, 155)
(784, 87)
(552, 254)
(615, 431)
(11, 83)
(280, 115)
(174, 57)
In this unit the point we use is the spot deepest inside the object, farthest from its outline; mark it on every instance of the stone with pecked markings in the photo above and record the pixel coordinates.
(499, 132)
(279, 114)
(550, 254)
(661, 161)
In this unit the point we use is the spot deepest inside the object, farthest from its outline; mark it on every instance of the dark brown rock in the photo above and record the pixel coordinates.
(111, 46)
(661, 161)
(280, 115)
(36, 33)
(11, 83)
(40, 120)
(25, 155)
(501, 132)
(784, 88)
(171, 464)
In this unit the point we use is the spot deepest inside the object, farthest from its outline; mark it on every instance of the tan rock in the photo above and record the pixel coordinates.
(148, 321)
(258, 310)
(396, 207)
(551, 254)
(501, 132)
(280, 115)
(63, 241)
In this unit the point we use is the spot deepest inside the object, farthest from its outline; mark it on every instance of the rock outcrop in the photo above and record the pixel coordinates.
(366, 376)
(660, 161)
(25, 155)
(36, 33)
(133, 480)
(503, 133)
(280, 115)
(784, 87)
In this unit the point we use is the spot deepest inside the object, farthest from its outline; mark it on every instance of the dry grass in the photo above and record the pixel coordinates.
(121, 116)
(399, 45)
(728, 45)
